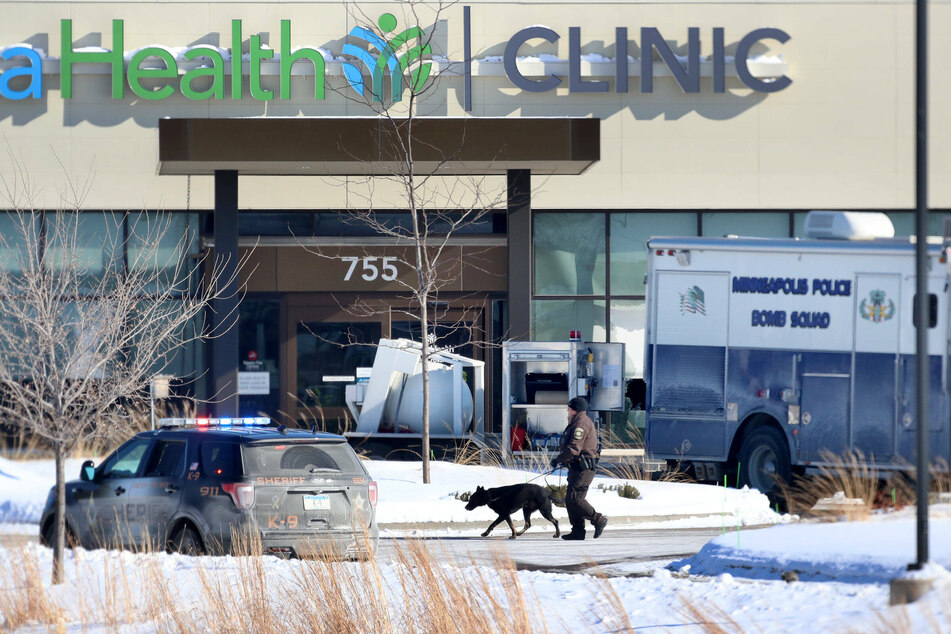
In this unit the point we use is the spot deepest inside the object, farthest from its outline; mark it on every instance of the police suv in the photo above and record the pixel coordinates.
(201, 485)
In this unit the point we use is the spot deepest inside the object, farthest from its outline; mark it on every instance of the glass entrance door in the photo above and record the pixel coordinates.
(328, 355)
(325, 344)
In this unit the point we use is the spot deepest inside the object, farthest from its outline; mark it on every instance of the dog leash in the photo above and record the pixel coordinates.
(545, 473)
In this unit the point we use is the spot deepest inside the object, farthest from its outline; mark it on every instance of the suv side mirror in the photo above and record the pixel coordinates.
(87, 473)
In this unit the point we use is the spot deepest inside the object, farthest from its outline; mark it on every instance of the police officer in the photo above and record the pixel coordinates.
(579, 452)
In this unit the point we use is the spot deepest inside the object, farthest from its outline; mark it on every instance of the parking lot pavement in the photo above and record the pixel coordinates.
(616, 552)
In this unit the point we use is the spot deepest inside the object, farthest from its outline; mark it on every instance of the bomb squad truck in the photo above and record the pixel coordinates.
(769, 357)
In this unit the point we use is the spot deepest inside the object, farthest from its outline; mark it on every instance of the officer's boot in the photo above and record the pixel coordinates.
(576, 534)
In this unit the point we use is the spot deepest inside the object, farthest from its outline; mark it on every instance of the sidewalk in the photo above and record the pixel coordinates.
(616, 521)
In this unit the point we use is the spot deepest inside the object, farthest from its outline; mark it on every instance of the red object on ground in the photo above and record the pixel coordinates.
(517, 438)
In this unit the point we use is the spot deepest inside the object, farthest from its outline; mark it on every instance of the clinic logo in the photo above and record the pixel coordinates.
(691, 301)
(387, 62)
(875, 309)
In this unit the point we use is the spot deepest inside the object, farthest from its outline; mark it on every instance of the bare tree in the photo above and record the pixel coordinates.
(400, 84)
(88, 316)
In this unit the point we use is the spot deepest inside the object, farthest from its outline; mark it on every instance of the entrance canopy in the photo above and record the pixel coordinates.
(348, 146)
(331, 146)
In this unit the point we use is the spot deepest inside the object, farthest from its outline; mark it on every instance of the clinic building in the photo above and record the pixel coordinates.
(587, 126)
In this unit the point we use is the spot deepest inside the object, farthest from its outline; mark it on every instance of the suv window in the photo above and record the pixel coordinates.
(167, 459)
(268, 459)
(218, 459)
(124, 463)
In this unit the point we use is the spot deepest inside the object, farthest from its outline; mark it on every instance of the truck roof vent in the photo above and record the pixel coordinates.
(848, 225)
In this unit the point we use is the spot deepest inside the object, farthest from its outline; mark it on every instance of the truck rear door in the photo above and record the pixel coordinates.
(876, 365)
(688, 363)
(937, 416)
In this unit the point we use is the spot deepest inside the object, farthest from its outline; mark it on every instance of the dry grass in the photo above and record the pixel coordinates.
(624, 471)
(852, 477)
(610, 605)
(248, 593)
(469, 453)
(904, 483)
(709, 617)
(848, 474)
(24, 599)
(898, 619)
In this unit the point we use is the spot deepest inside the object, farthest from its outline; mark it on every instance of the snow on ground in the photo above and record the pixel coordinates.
(24, 485)
(844, 567)
(403, 500)
(874, 551)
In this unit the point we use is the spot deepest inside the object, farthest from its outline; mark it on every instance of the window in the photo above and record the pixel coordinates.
(88, 241)
(903, 221)
(569, 253)
(629, 235)
(20, 240)
(932, 310)
(628, 320)
(281, 458)
(456, 336)
(176, 236)
(259, 332)
(274, 224)
(167, 459)
(219, 459)
(326, 350)
(589, 268)
(124, 463)
(757, 225)
(554, 319)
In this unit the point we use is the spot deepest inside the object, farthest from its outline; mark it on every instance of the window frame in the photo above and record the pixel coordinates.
(135, 440)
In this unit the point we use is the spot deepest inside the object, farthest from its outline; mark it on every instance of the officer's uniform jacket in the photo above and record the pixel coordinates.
(580, 439)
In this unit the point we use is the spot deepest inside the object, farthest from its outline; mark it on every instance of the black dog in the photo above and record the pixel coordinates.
(507, 500)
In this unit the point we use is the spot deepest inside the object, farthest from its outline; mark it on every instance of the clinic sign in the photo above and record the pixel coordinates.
(372, 60)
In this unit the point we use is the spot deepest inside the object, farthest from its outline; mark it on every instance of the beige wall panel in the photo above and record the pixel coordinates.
(697, 191)
(939, 155)
(825, 190)
(841, 135)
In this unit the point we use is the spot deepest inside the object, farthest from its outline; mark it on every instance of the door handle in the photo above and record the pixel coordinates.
(119, 490)
(171, 489)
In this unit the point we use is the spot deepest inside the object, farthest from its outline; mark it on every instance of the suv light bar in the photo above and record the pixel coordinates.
(257, 421)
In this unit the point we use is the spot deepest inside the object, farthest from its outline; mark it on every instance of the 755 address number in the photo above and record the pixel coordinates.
(386, 270)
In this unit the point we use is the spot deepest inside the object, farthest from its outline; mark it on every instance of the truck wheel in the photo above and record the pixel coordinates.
(764, 461)
(186, 542)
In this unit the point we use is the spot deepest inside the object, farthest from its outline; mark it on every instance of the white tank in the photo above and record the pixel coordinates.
(410, 406)
(848, 225)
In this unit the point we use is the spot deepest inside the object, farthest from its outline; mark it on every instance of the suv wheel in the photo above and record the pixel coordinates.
(186, 542)
(49, 535)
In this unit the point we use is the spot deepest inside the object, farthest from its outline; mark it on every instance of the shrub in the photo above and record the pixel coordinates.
(626, 490)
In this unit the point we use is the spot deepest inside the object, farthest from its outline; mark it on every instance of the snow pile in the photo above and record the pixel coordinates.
(851, 552)
(404, 500)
